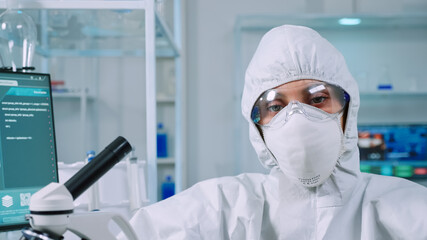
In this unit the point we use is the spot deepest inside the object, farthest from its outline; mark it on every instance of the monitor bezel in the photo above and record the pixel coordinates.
(19, 226)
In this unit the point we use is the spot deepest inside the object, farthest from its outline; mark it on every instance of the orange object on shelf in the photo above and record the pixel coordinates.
(57, 83)
(420, 171)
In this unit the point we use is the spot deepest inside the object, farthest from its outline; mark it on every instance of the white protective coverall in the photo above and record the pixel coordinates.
(349, 205)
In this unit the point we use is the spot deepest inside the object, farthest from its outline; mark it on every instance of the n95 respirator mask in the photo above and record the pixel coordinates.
(305, 141)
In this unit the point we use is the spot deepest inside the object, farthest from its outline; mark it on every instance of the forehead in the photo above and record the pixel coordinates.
(298, 84)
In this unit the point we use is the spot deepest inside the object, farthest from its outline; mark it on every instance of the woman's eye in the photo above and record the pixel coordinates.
(318, 100)
(275, 108)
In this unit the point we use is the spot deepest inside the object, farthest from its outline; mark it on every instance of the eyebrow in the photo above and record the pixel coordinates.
(311, 89)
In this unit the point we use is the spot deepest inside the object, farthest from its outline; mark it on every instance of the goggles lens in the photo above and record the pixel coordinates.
(327, 97)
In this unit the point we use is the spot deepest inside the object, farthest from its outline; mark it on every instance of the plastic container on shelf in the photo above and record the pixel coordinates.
(93, 191)
(132, 169)
(162, 141)
(385, 82)
(58, 86)
(168, 187)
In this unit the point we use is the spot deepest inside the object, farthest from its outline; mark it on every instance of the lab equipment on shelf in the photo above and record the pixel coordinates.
(385, 82)
(134, 183)
(18, 37)
(114, 186)
(58, 86)
(93, 193)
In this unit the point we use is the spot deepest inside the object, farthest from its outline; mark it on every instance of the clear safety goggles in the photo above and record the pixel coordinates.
(315, 95)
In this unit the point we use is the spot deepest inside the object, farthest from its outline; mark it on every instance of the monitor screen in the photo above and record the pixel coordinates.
(27, 143)
(394, 150)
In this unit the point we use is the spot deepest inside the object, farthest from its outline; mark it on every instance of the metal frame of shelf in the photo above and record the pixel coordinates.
(386, 93)
(73, 93)
(327, 21)
(174, 41)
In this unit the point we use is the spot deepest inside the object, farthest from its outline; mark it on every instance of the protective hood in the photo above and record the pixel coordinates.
(288, 53)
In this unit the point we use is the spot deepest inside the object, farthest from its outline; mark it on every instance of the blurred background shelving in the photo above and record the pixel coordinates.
(94, 45)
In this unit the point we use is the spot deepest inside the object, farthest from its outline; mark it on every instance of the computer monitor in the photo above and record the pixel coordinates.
(394, 150)
(27, 143)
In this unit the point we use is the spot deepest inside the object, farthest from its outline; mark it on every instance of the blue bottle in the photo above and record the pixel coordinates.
(168, 187)
(162, 142)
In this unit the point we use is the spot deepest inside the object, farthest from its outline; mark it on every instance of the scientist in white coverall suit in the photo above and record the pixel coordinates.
(301, 103)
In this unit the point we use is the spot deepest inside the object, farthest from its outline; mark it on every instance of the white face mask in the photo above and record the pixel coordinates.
(306, 142)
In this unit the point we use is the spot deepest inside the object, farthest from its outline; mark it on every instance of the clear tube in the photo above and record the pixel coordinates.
(135, 201)
(93, 193)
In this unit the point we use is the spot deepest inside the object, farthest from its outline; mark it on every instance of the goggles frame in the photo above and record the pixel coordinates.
(326, 97)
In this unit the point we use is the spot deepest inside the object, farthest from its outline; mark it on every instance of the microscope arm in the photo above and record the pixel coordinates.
(51, 208)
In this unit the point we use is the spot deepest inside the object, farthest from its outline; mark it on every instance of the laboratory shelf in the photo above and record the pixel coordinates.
(72, 94)
(165, 53)
(165, 99)
(392, 93)
(95, 28)
(99, 33)
(54, 4)
(322, 21)
(165, 161)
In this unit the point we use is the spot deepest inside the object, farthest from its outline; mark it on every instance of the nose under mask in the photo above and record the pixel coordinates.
(306, 150)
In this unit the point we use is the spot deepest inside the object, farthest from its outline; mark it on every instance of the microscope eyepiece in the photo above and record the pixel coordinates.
(98, 166)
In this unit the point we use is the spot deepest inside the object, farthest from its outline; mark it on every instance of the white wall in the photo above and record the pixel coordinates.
(210, 82)
(117, 109)
(210, 73)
